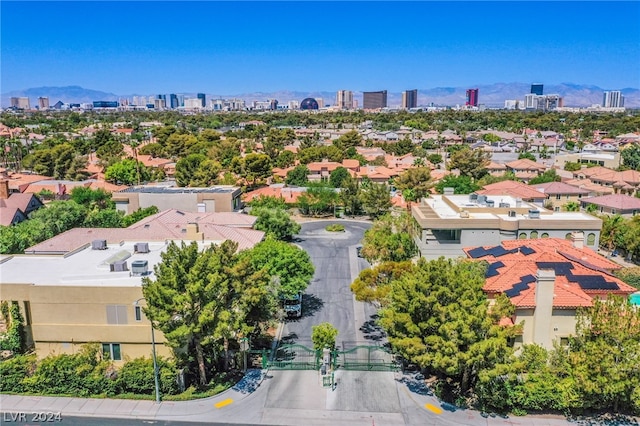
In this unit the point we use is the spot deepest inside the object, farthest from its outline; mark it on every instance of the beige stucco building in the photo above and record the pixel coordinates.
(204, 200)
(85, 285)
(547, 281)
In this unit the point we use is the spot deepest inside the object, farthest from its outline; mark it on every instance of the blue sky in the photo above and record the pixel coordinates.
(240, 46)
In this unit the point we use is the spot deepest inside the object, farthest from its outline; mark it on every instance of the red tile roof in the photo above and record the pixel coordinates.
(555, 188)
(615, 201)
(512, 188)
(519, 264)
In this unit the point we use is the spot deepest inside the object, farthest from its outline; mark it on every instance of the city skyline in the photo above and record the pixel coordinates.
(229, 47)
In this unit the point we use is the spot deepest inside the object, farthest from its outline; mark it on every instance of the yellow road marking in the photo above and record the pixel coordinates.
(223, 403)
(433, 408)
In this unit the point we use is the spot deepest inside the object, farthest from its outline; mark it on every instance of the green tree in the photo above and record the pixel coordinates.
(285, 263)
(285, 159)
(338, 176)
(526, 155)
(275, 222)
(438, 318)
(297, 176)
(91, 198)
(318, 199)
(390, 239)
(631, 157)
(187, 167)
(256, 167)
(572, 206)
(416, 179)
(435, 159)
(571, 166)
(324, 336)
(103, 218)
(201, 300)
(460, 184)
(374, 284)
(548, 176)
(350, 195)
(350, 139)
(604, 354)
(375, 199)
(470, 162)
(127, 172)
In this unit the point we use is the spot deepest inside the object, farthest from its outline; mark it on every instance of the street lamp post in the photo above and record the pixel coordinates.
(153, 354)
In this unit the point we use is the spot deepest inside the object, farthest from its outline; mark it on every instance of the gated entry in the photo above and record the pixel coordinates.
(299, 357)
(295, 357)
(366, 358)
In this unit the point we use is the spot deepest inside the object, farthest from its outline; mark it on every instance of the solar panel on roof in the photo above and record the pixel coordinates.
(560, 268)
(520, 286)
(497, 251)
(526, 250)
(492, 271)
(477, 252)
(594, 282)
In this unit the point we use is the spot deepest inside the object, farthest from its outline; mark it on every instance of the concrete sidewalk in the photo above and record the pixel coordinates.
(195, 410)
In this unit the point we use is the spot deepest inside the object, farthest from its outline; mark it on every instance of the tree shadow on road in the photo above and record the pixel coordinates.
(372, 330)
(415, 383)
(609, 419)
(249, 382)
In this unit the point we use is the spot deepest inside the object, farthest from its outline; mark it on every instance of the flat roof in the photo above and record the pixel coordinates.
(86, 267)
(445, 211)
(179, 190)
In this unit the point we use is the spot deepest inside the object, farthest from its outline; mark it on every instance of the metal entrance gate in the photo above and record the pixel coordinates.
(366, 358)
(295, 357)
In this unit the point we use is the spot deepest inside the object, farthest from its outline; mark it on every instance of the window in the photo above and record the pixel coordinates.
(558, 197)
(556, 209)
(564, 341)
(544, 235)
(534, 234)
(137, 310)
(568, 236)
(111, 351)
(522, 236)
(116, 314)
(591, 239)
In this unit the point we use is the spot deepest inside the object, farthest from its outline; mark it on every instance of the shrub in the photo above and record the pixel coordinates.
(336, 227)
(136, 377)
(13, 371)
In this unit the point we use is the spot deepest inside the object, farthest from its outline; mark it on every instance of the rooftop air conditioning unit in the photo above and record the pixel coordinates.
(512, 213)
(119, 266)
(141, 248)
(99, 245)
(482, 199)
(473, 197)
(491, 203)
(139, 267)
(534, 214)
(464, 214)
(504, 205)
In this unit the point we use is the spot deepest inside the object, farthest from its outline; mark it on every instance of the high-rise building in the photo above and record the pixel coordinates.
(320, 102)
(344, 99)
(472, 97)
(202, 98)
(410, 99)
(374, 100)
(613, 99)
(180, 100)
(537, 89)
(173, 101)
(20, 103)
(43, 102)
(273, 104)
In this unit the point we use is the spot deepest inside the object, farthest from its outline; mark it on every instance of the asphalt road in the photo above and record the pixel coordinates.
(328, 297)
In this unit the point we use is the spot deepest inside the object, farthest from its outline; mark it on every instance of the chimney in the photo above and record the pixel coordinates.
(4, 189)
(545, 287)
(577, 238)
(192, 232)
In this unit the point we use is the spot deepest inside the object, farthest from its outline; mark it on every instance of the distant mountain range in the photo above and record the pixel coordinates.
(491, 95)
